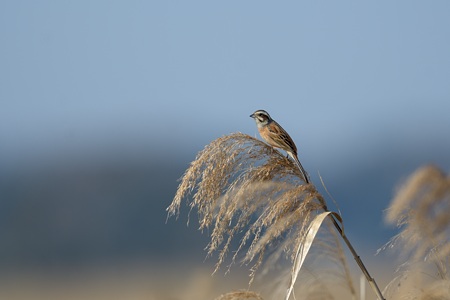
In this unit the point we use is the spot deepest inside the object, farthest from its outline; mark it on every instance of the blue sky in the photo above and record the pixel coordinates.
(353, 82)
(171, 73)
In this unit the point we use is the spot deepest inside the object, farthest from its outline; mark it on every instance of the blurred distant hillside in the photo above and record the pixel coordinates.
(72, 214)
(105, 210)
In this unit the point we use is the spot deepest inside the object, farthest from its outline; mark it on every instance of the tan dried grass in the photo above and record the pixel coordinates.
(240, 295)
(421, 209)
(238, 177)
(244, 189)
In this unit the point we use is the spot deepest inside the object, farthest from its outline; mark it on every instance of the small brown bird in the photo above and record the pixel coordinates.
(277, 137)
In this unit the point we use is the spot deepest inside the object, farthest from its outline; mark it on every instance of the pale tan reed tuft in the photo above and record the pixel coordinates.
(244, 189)
(243, 186)
(240, 295)
(421, 210)
(255, 205)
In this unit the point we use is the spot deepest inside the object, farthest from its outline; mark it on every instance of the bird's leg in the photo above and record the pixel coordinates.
(287, 155)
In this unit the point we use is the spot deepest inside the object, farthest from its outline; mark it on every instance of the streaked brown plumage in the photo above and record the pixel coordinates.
(277, 137)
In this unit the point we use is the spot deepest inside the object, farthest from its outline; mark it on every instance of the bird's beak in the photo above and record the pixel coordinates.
(252, 116)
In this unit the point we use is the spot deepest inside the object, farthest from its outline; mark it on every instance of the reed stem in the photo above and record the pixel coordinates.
(358, 260)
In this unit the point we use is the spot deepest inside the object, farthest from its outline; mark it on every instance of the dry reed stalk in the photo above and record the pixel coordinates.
(421, 209)
(245, 189)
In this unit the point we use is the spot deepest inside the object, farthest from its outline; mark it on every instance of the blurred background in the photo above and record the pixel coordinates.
(103, 104)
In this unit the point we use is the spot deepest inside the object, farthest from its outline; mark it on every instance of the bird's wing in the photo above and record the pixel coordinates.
(278, 131)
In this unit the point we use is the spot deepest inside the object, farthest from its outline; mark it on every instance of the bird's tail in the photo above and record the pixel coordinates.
(302, 170)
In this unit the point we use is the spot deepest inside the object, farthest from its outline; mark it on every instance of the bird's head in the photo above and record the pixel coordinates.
(261, 117)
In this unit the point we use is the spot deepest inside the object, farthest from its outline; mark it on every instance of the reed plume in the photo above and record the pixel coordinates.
(421, 209)
(244, 189)
(240, 295)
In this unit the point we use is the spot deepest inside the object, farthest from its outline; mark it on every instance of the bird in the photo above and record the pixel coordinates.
(277, 137)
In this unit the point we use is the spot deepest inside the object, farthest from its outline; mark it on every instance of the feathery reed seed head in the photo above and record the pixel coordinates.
(243, 187)
(240, 295)
(421, 209)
